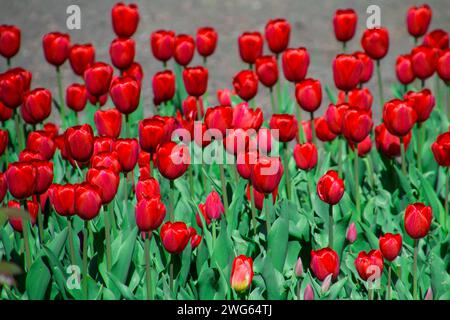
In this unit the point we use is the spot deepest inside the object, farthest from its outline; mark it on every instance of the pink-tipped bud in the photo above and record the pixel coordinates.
(429, 294)
(351, 233)
(299, 268)
(309, 293)
(214, 206)
(326, 283)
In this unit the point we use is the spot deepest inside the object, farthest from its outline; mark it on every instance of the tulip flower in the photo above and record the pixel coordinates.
(172, 160)
(127, 151)
(98, 78)
(163, 84)
(195, 80)
(5, 112)
(309, 293)
(4, 138)
(32, 209)
(44, 176)
(174, 236)
(277, 34)
(150, 213)
(246, 118)
(62, 198)
(56, 48)
(370, 267)
(219, 118)
(162, 43)
(417, 20)
(13, 85)
(443, 69)
(245, 84)
(287, 126)
(125, 92)
(184, 49)
(195, 238)
(352, 233)
(42, 142)
(363, 148)
(404, 70)
(390, 245)
(36, 106)
(76, 97)
(125, 19)
(309, 95)
(214, 206)
(322, 131)
(367, 66)
(295, 64)
(81, 57)
(258, 197)
(241, 273)
(324, 262)
(9, 41)
(106, 160)
(305, 156)
(107, 182)
(135, 71)
(21, 178)
(344, 23)
(437, 39)
(206, 41)
(424, 62)
(79, 142)
(347, 70)
(389, 144)
(122, 52)
(360, 99)
(108, 123)
(152, 132)
(147, 188)
(266, 69)
(250, 47)
(87, 201)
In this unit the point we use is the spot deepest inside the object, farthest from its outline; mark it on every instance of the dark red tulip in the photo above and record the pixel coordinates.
(214, 206)
(135, 71)
(14, 83)
(424, 61)
(21, 178)
(128, 152)
(347, 71)
(202, 209)
(356, 125)
(266, 174)
(441, 149)
(9, 41)
(437, 39)
(206, 41)
(367, 62)
(305, 156)
(162, 43)
(52, 129)
(56, 47)
(241, 273)
(174, 236)
(322, 130)
(344, 23)
(41, 141)
(404, 70)
(295, 64)
(362, 147)
(250, 46)
(4, 138)
(163, 84)
(443, 66)
(267, 70)
(81, 57)
(287, 126)
(76, 97)
(62, 198)
(219, 118)
(108, 122)
(246, 118)
(324, 262)
(98, 78)
(390, 245)
(418, 219)
(29, 155)
(107, 182)
(122, 52)
(245, 84)
(3, 186)
(184, 49)
(195, 80)
(79, 142)
(309, 94)
(389, 144)
(369, 264)
(147, 188)
(258, 197)
(33, 210)
(5, 112)
(125, 19)
(330, 188)
(399, 116)
(423, 103)
(172, 160)
(149, 213)
(375, 42)
(418, 19)
(44, 176)
(277, 34)
(87, 201)
(106, 160)
(195, 238)
(125, 92)
(334, 117)
(102, 144)
(37, 105)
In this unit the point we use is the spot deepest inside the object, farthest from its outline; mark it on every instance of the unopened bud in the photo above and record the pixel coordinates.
(299, 268)
(351, 233)
(326, 283)
(309, 293)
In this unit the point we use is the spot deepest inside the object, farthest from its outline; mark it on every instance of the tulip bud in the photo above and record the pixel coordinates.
(369, 264)
(21, 178)
(150, 213)
(347, 71)
(326, 284)
(267, 70)
(375, 42)
(162, 43)
(56, 47)
(125, 93)
(214, 206)
(387, 143)
(206, 41)
(163, 84)
(344, 23)
(81, 57)
(287, 126)
(305, 155)
(79, 142)
(330, 188)
(418, 19)
(122, 52)
(309, 293)
(266, 174)
(245, 84)
(429, 294)
(195, 80)
(299, 268)
(250, 46)
(418, 219)
(224, 97)
(277, 34)
(174, 236)
(241, 273)
(309, 94)
(441, 149)
(399, 116)
(390, 245)
(87, 201)
(184, 49)
(437, 39)
(352, 233)
(202, 209)
(9, 41)
(295, 64)
(172, 160)
(324, 262)
(108, 122)
(76, 97)
(195, 238)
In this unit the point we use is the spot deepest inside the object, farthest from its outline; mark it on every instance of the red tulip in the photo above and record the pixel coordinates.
(369, 264)
(309, 94)
(287, 126)
(305, 156)
(360, 99)
(122, 52)
(443, 66)
(214, 206)
(184, 49)
(87, 201)
(441, 149)
(404, 70)
(102, 144)
(107, 182)
(418, 220)
(245, 162)
(52, 129)
(33, 210)
(334, 117)
(266, 174)
(324, 262)
(389, 144)
(399, 116)
(108, 122)
(14, 83)
(125, 19)
(219, 118)
(189, 107)
(79, 142)
(258, 197)
(4, 138)
(174, 236)
(277, 34)
(362, 147)
(195, 238)
(356, 125)
(390, 245)
(56, 47)
(125, 93)
(347, 71)
(128, 152)
(344, 23)
(106, 160)
(163, 84)
(41, 141)
(322, 129)
(9, 41)
(418, 19)
(224, 97)
(437, 39)
(245, 84)
(44, 176)
(330, 188)
(29, 155)
(135, 71)
(162, 43)
(62, 197)
(250, 46)
(147, 188)
(98, 78)
(37, 105)
(3, 186)
(424, 61)
(236, 141)
(5, 112)
(375, 42)
(97, 101)
(267, 70)
(295, 64)
(150, 213)
(76, 97)
(206, 41)
(423, 103)
(172, 160)
(367, 62)
(21, 178)
(81, 57)
(241, 273)
(246, 118)
(152, 132)
(202, 210)
(195, 80)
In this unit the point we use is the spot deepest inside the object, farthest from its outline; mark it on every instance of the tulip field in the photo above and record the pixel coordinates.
(215, 196)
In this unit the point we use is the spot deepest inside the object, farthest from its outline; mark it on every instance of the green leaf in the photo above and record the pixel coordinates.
(38, 279)
(278, 243)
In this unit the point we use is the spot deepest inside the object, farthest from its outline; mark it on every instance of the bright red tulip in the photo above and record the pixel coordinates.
(189, 107)
(441, 149)
(360, 99)
(418, 220)
(107, 182)
(79, 142)
(9, 41)
(267, 70)
(214, 206)
(206, 41)
(399, 116)
(287, 126)
(324, 262)
(81, 57)
(41, 141)
(367, 62)
(135, 71)
(295, 64)
(87, 201)
(3, 186)
(369, 264)
(195, 80)
(236, 141)
(29, 155)
(344, 23)
(162, 43)
(14, 83)
(174, 236)
(266, 174)
(184, 49)
(125, 92)
(172, 160)
(330, 188)
(277, 34)
(305, 156)
(102, 144)
(56, 47)
(389, 144)
(147, 188)
(98, 78)
(241, 273)
(390, 245)
(4, 138)
(195, 238)
(404, 70)
(334, 116)
(44, 176)
(423, 103)
(21, 178)
(125, 19)
(52, 129)
(375, 42)
(309, 94)
(76, 97)
(202, 210)
(62, 198)
(37, 105)
(106, 160)
(363, 147)
(443, 66)
(163, 84)
(224, 97)
(347, 71)
(418, 19)
(322, 130)
(244, 165)
(33, 210)
(108, 122)
(150, 213)
(250, 46)
(5, 112)
(437, 39)
(220, 118)
(246, 118)
(122, 52)
(245, 84)
(424, 61)
(152, 132)
(127, 152)
(356, 125)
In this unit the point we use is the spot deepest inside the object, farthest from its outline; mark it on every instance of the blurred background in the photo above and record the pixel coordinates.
(311, 22)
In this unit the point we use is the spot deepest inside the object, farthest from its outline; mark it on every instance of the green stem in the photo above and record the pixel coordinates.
(447, 178)
(278, 88)
(266, 210)
(8, 63)
(224, 188)
(171, 200)
(171, 275)
(40, 225)
(301, 134)
(330, 226)
(340, 155)
(344, 46)
(380, 83)
(309, 179)
(71, 244)
(199, 109)
(403, 156)
(214, 232)
(388, 293)
(19, 129)
(148, 274)
(85, 258)
(26, 241)
(61, 98)
(357, 195)
(419, 146)
(286, 171)
(191, 181)
(127, 126)
(272, 101)
(107, 239)
(313, 129)
(370, 293)
(416, 251)
(253, 208)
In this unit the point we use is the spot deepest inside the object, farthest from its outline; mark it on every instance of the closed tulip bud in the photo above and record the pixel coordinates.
(214, 206)
(441, 149)
(443, 66)
(267, 70)
(14, 83)
(81, 57)
(127, 152)
(108, 122)
(79, 142)
(258, 197)
(352, 233)
(184, 49)
(125, 19)
(107, 182)
(295, 64)
(245, 84)
(76, 97)
(375, 42)
(98, 78)
(389, 144)
(246, 118)
(309, 94)
(356, 125)
(195, 80)
(287, 126)
(324, 262)
(172, 160)
(4, 138)
(399, 116)
(277, 34)
(266, 174)
(56, 47)
(162, 43)
(9, 41)
(241, 273)
(125, 92)
(202, 210)
(122, 52)
(219, 118)
(424, 61)
(330, 188)
(367, 62)
(418, 19)
(429, 294)
(37, 106)
(362, 147)
(206, 41)
(147, 188)
(369, 264)
(106, 160)
(87, 201)
(42, 142)
(149, 213)
(305, 156)
(163, 84)
(299, 268)
(326, 284)
(344, 23)
(323, 132)
(309, 293)
(250, 46)
(347, 70)
(404, 70)
(418, 219)
(3, 186)
(174, 236)
(135, 71)
(224, 97)
(437, 39)
(5, 112)
(44, 176)
(390, 245)
(62, 198)
(334, 116)
(195, 238)
(423, 103)
(33, 210)
(21, 178)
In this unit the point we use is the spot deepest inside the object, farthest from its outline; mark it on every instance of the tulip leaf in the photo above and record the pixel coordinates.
(123, 258)
(278, 243)
(38, 279)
